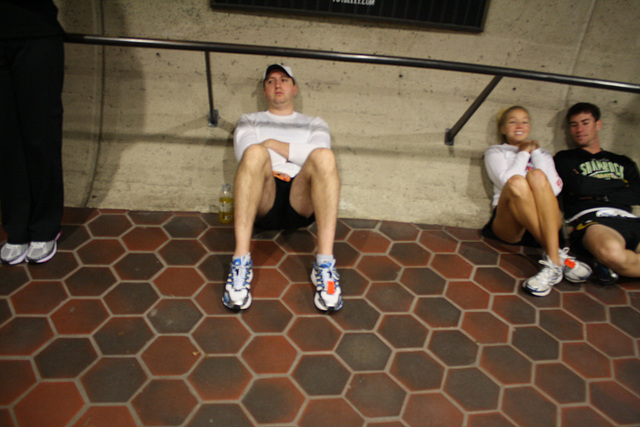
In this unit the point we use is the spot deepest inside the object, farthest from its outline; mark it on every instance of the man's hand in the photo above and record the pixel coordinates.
(281, 148)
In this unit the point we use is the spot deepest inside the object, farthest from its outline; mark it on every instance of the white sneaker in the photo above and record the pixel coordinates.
(237, 290)
(40, 252)
(574, 271)
(325, 278)
(540, 285)
(13, 254)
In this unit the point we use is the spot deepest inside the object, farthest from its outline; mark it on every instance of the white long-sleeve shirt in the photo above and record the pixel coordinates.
(504, 161)
(303, 133)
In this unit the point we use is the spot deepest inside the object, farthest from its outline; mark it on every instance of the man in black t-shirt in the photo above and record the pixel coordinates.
(599, 191)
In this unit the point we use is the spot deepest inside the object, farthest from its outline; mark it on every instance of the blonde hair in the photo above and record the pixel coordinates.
(502, 118)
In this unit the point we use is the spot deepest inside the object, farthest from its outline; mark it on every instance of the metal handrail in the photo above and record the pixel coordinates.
(464, 67)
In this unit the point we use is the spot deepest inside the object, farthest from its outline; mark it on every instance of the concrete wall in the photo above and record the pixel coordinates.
(136, 133)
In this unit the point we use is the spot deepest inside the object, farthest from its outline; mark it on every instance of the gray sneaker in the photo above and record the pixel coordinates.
(13, 254)
(541, 284)
(40, 252)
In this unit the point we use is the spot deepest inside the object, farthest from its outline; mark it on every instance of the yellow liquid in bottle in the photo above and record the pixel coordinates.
(225, 214)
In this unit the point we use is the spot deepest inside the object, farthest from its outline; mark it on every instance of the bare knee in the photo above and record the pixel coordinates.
(517, 186)
(537, 179)
(255, 156)
(322, 159)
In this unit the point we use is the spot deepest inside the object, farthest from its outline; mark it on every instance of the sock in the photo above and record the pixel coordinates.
(325, 259)
(244, 259)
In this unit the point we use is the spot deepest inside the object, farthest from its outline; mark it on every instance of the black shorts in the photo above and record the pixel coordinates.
(527, 238)
(629, 228)
(282, 215)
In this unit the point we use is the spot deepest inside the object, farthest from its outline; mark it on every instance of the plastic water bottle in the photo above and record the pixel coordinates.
(225, 211)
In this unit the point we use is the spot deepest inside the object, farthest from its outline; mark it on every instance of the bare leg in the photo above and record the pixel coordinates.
(609, 248)
(254, 194)
(549, 215)
(316, 189)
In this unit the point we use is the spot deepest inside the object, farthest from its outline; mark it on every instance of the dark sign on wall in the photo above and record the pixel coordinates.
(463, 15)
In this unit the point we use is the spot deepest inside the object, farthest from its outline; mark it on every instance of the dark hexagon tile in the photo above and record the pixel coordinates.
(514, 309)
(12, 278)
(268, 282)
(518, 265)
(63, 396)
(296, 241)
(273, 400)
(583, 416)
(484, 327)
(107, 225)
(472, 389)
(314, 334)
(451, 266)
(506, 364)
(494, 280)
(437, 312)
(16, 377)
(180, 226)
(342, 229)
(423, 407)
(178, 281)
(356, 315)
(561, 383)
(375, 395)
(586, 360)
(224, 414)
(220, 335)
(561, 325)
(321, 375)
(403, 331)
(22, 336)
(38, 297)
(467, 295)
(148, 217)
(131, 298)
(355, 223)
(78, 215)
(438, 241)
(453, 348)
(138, 266)
(101, 252)
(269, 354)
(5, 311)
(65, 358)
(220, 378)
(266, 253)
(363, 351)
(145, 239)
(417, 370)
(608, 295)
(616, 402)
(123, 336)
(626, 319)
(299, 298)
(58, 268)
(478, 253)
(182, 252)
(174, 316)
(409, 254)
(378, 268)
(627, 372)
(267, 316)
(535, 343)
(399, 231)
(423, 281)
(215, 268)
(493, 419)
(345, 254)
(296, 268)
(164, 402)
(79, 316)
(353, 283)
(219, 239)
(527, 407)
(368, 241)
(610, 340)
(329, 412)
(73, 236)
(462, 234)
(584, 307)
(390, 297)
(90, 281)
(106, 416)
(113, 379)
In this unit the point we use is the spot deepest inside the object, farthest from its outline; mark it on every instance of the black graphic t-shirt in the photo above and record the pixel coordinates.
(603, 179)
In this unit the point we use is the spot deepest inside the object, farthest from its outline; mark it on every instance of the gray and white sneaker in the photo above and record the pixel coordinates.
(40, 252)
(574, 271)
(13, 254)
(541, 284)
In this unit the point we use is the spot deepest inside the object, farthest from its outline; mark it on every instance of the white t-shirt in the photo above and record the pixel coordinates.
(504, 161)
(303, 133)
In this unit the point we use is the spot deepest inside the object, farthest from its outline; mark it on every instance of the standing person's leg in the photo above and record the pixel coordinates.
(254, 195)
(316, 190)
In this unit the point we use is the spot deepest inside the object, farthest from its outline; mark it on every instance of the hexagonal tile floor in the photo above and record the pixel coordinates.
(124, 327)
